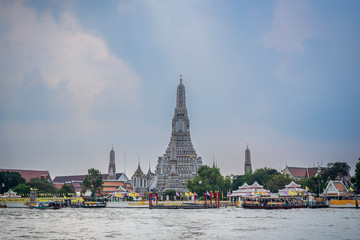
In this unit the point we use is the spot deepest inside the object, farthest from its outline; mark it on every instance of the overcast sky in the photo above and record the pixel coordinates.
(77, 77)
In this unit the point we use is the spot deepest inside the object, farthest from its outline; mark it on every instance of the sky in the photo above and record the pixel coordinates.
(78, 77)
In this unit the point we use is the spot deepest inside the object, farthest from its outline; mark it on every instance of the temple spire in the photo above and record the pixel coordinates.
(112, 168)
(247, 165)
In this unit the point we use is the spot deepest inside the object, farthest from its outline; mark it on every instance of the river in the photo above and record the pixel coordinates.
(223, 223)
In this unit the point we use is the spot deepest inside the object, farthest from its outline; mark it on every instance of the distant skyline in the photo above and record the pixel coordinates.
(78, 77)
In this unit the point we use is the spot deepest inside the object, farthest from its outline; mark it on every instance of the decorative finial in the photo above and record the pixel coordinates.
(180, 78)
(112, 148)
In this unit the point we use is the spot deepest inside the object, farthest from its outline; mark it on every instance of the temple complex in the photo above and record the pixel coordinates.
(180, 161)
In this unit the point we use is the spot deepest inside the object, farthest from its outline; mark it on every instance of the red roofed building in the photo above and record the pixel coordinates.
(336, 190)
(120, 184)
(29, 174)
(298, 173)
(63, 179)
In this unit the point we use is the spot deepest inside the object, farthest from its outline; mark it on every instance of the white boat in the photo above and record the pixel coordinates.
(128, 204)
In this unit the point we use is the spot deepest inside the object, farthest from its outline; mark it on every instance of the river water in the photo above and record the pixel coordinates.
(223, 223)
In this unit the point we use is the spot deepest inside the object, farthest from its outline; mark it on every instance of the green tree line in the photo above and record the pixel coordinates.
(14, 181)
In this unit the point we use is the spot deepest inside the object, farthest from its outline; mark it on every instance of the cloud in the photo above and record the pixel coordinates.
(64, 55)
(290, 27)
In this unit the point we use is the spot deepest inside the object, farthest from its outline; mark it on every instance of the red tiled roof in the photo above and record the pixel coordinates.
(108, 189)
(339, 186)
(312, 172)
(62, 179)
(113, 183)
(302, 172)
(298, 172)
(29, 174)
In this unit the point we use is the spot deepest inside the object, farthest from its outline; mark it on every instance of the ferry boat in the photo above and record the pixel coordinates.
(93, 204)
(272, 203)
(46, 205)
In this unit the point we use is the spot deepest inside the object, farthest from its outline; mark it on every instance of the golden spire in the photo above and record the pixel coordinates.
(180, 78)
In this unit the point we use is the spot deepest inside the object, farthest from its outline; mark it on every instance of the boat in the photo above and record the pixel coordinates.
(93, 204)
(183, 206)
(46, 205)
(272, 203)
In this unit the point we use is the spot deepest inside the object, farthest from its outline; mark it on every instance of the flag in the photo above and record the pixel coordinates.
(351, 189)
(253, 193)
(307, 189)
(207, 193)
(258, 192)
(186, 194)
(291, 193)
(249, 193)
(177, 194)
(295, 193)
(263, 193)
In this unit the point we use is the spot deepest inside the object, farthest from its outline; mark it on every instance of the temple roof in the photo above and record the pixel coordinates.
(29, 174)
(62, 179)
(139, 172)
(293, 185)
(300, 172)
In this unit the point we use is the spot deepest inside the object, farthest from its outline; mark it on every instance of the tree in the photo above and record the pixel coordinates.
(357, 177)
(278, 182)
(315, 184)
(208, 179)
(93, 182)
(337, 170)
(240, 180)
(65, 189)
(42, 185)
(9, 180)
(22, 188)
(261, 175)
(171, 193)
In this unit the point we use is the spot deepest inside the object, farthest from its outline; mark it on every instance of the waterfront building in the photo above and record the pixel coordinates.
(247, 165)
(249, 191)
(30, 174)
(336, 190)
(75, 182)
(105, 176)
(298, 173)
(112, 168)
(180, 161)
(139, 180)
(292, 189)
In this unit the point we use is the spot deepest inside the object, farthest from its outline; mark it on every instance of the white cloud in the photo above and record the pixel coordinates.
(64, 54)
(291, 26)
